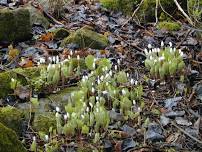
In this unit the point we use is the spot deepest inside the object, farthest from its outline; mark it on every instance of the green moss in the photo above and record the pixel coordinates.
(125, 6)
(9, 141)
(42, 122)
(21, 74)
(60, 33)
(15, 25)
(169, 26)
(12, 118)
(85, 37)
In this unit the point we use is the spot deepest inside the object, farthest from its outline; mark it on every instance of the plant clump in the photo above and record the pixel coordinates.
(164, 62)
(104, 88)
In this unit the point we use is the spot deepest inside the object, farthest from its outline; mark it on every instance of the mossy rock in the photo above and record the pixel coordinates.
(14, 25)
(86, 38)
(42, 122)
(169, 26)
(12, 118)
(36, 16)
(9, 141)
(20, 74)
(60, 33)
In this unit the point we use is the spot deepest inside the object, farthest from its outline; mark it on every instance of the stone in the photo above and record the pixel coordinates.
(9, 141)
(60, 33)
(12, 118)
(36, 16)
(14, 25)
(85, 37)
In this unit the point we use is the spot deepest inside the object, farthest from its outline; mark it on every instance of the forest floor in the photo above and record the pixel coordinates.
(172, 110)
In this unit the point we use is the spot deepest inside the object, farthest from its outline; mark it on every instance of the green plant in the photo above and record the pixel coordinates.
(164, 62)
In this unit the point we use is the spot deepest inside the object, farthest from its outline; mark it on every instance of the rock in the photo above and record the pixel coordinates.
(154, 133)
(85, 37)
(9, 141)
(14, 25)
(60, 33)
(42, 122)
(12, 118)
(5, 78)
(36, 16)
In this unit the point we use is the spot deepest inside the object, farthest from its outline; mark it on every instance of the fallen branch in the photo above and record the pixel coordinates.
(135, 11)
(183, 131)
(183, 12)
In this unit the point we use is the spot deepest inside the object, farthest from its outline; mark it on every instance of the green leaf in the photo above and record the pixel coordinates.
(89, 60)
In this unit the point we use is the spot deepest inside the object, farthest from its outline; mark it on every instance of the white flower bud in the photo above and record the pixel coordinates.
(162, 44)
(115, 67)
(78, 57)
(132, 81)
(71, 52)
(46, 138)
(170, 44)
(149, 46)
(34, 138)
(119, 62)
(57, 109)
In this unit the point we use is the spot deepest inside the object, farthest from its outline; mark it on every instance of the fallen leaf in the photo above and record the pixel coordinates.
(46, 37)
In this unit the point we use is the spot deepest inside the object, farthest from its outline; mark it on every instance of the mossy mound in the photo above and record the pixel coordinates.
(19, 74)
(12, 118)
(169, 26)
(60, 33)
(125, 6)
(146, 12)
(14, 25)
(42, 122)
(9, 141)
(86, 38)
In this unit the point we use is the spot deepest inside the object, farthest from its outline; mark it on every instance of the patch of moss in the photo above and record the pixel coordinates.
(14, 25)
(20, 74)
(169, 26)
(42, 122)
(9, 141)
(85, 37)
(60, 33)
(12, 118)
(125, 6)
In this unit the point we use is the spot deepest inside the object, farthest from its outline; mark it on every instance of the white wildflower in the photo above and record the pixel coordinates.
(149, 46)
(57, 109)
(162, 44)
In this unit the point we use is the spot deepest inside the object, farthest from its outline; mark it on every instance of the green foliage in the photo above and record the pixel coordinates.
(164, 62)
(195, 10)
(90, 62)
(125, 6)
(169, 26)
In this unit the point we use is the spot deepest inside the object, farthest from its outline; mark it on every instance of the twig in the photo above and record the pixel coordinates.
(184, 38)
(183, 12)
(135, 11)
(183, 131)
(156, 11)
